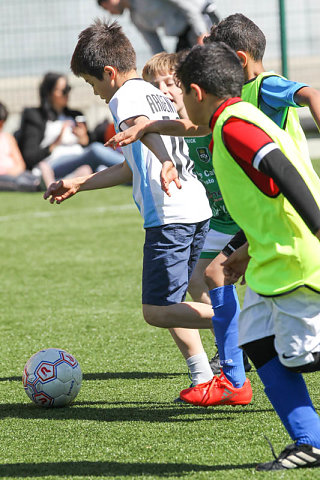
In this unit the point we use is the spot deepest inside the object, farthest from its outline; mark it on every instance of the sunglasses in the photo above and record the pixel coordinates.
(66, 90)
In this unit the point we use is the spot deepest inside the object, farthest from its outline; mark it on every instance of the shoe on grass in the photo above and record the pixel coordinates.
(218, 391)
(293, 456)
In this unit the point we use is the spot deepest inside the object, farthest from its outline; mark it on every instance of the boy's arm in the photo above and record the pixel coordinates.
(142, 126)
(277, 166)
(154, 142)
(251, 147)
(309, 97)
(64, 189)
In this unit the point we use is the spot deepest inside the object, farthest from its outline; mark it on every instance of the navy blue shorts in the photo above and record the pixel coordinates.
(170, 255)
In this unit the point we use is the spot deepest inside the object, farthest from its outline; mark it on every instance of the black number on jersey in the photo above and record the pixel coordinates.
(181, 159)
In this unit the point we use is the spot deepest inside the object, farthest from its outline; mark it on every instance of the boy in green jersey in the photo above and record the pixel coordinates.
(159, 71)
(274, 196)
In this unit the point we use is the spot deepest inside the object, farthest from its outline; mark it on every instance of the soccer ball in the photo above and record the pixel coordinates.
(52, 378)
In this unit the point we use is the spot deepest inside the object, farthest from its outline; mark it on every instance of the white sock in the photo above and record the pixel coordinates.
(199, 367)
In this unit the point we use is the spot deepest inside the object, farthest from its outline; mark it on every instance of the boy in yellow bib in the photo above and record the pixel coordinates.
(273, 194)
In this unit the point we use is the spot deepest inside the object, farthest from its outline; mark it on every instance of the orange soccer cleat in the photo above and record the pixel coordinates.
(218, 391)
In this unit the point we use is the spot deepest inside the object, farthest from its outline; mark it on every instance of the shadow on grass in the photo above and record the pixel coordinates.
(114, 376)
(111, 469)
(152, 412)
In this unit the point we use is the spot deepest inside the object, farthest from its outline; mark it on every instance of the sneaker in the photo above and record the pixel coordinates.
(218, 391)
(216, 366)
(293, 456)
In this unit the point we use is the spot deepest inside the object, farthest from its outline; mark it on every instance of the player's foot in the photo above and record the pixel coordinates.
(293, 456)
(218, 391)
(216, 367)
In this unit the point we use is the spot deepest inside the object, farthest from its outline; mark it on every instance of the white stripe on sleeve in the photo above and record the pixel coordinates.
(262, 153)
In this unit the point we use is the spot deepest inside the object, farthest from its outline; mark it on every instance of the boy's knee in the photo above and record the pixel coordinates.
(213, 274)
(260, 351)
(153, 315)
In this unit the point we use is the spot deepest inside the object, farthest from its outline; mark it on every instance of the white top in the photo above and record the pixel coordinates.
(188, 205)
(69, 144)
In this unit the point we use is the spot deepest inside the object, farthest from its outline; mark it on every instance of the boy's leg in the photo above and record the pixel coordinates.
(189, 343)
(170, 253)
(180, 315)
(278, 320)
(226, 309)
(225, 324)
(199, 289)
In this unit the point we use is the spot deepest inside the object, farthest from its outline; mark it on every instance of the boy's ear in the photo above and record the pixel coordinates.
(198, 91)
(243, 56)
(111, 71)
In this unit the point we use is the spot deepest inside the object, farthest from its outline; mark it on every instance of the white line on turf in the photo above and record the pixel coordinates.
(18, 216)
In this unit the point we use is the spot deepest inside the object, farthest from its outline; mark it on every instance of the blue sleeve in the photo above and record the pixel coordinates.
(277, 92)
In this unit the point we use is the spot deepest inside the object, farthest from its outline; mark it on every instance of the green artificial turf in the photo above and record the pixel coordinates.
(71, 278)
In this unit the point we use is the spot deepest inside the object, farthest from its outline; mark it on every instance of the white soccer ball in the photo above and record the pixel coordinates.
(52, 378)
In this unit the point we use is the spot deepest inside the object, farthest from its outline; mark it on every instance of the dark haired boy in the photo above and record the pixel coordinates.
(274, 196)
(275, 95)
(175, 226)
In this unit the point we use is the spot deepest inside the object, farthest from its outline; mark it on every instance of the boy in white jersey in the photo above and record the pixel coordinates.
(159, 71)
(175, 226)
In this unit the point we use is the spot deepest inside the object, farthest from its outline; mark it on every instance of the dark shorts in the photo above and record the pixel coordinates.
(170, 255)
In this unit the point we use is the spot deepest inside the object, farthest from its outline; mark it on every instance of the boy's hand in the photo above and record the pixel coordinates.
(236, 264)
(132, 134)
(60, 191)
(169, 174)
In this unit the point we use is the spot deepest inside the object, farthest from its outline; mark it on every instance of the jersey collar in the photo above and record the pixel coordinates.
(226, 103)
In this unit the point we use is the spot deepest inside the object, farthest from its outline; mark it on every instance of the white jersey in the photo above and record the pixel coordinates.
(189, 204)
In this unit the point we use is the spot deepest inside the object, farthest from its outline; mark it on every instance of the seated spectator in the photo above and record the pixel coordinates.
(52, 135)
(13, 174)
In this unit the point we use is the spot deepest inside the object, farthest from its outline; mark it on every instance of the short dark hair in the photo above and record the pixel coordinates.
(214, 67)
(99, 45)
(240, 33)
(3, 112)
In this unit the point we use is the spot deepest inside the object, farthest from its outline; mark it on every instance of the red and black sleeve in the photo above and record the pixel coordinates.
(269, 169)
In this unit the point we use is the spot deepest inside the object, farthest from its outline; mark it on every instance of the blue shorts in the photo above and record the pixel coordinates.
(170, 255)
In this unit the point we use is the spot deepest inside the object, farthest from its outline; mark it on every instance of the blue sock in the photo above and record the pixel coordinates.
(226, 309)
(289, 396)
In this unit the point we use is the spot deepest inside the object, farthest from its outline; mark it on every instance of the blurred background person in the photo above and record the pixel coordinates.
(188, 20)
(55, 139)
(13, 173)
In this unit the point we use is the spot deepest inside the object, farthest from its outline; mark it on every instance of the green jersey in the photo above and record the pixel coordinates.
(200, 154)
